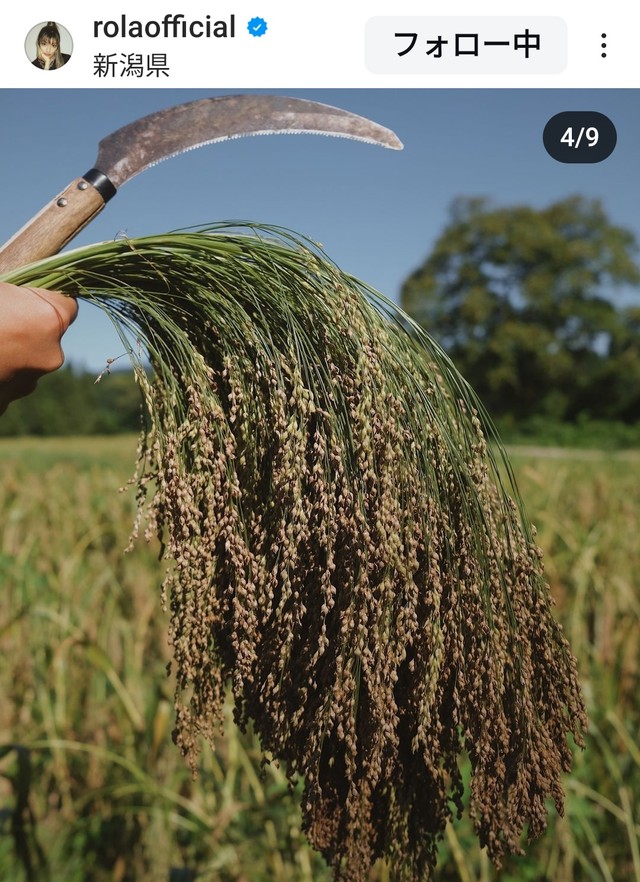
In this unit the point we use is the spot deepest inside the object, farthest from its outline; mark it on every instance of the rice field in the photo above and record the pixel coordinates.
(91, 784)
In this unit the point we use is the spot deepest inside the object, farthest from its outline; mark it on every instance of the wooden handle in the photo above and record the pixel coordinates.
(54, 226)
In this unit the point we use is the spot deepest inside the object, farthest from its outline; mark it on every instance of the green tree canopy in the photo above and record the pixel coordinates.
(522, 299)
(68, 402)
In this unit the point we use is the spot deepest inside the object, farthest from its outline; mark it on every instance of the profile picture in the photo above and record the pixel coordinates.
(48, 45)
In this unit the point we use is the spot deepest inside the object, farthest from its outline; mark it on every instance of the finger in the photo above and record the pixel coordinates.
(21, 385)
(66, 307)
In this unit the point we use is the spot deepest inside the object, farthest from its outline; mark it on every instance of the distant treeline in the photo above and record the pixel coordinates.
(70, 402)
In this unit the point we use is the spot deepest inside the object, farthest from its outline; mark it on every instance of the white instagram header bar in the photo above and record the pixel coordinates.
(332, 45)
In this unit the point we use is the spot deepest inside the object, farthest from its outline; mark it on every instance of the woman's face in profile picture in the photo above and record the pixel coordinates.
(47, 48)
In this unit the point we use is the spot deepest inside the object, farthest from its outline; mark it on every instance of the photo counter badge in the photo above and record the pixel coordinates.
(349, 553)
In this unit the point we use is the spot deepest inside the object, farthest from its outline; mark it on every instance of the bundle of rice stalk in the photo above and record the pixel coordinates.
(343, 551)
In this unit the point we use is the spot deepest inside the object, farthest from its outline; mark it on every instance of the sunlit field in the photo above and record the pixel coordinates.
(91, 784)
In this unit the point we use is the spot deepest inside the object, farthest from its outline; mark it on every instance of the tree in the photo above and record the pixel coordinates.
(522, 300)
(68, 402)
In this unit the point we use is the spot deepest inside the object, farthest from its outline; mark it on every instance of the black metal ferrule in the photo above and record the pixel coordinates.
(101, 182)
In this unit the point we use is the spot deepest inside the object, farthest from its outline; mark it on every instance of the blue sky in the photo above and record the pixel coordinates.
(376, 212)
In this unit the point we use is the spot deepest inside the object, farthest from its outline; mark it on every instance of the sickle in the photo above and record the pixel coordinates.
(149, 140)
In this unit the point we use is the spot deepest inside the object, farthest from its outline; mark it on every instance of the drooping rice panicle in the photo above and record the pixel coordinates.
(343, 549)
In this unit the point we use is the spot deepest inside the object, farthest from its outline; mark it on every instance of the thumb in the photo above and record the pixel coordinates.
(66, 307)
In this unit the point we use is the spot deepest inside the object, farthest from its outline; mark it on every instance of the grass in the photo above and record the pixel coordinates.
(91, 785)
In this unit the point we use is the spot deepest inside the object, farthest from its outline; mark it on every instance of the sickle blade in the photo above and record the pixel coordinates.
(147, 141)
(169, 132)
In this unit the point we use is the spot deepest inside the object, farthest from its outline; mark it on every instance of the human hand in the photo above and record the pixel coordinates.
(32, 322)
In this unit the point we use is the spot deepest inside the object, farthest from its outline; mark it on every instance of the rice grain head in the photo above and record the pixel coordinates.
(341, 547)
